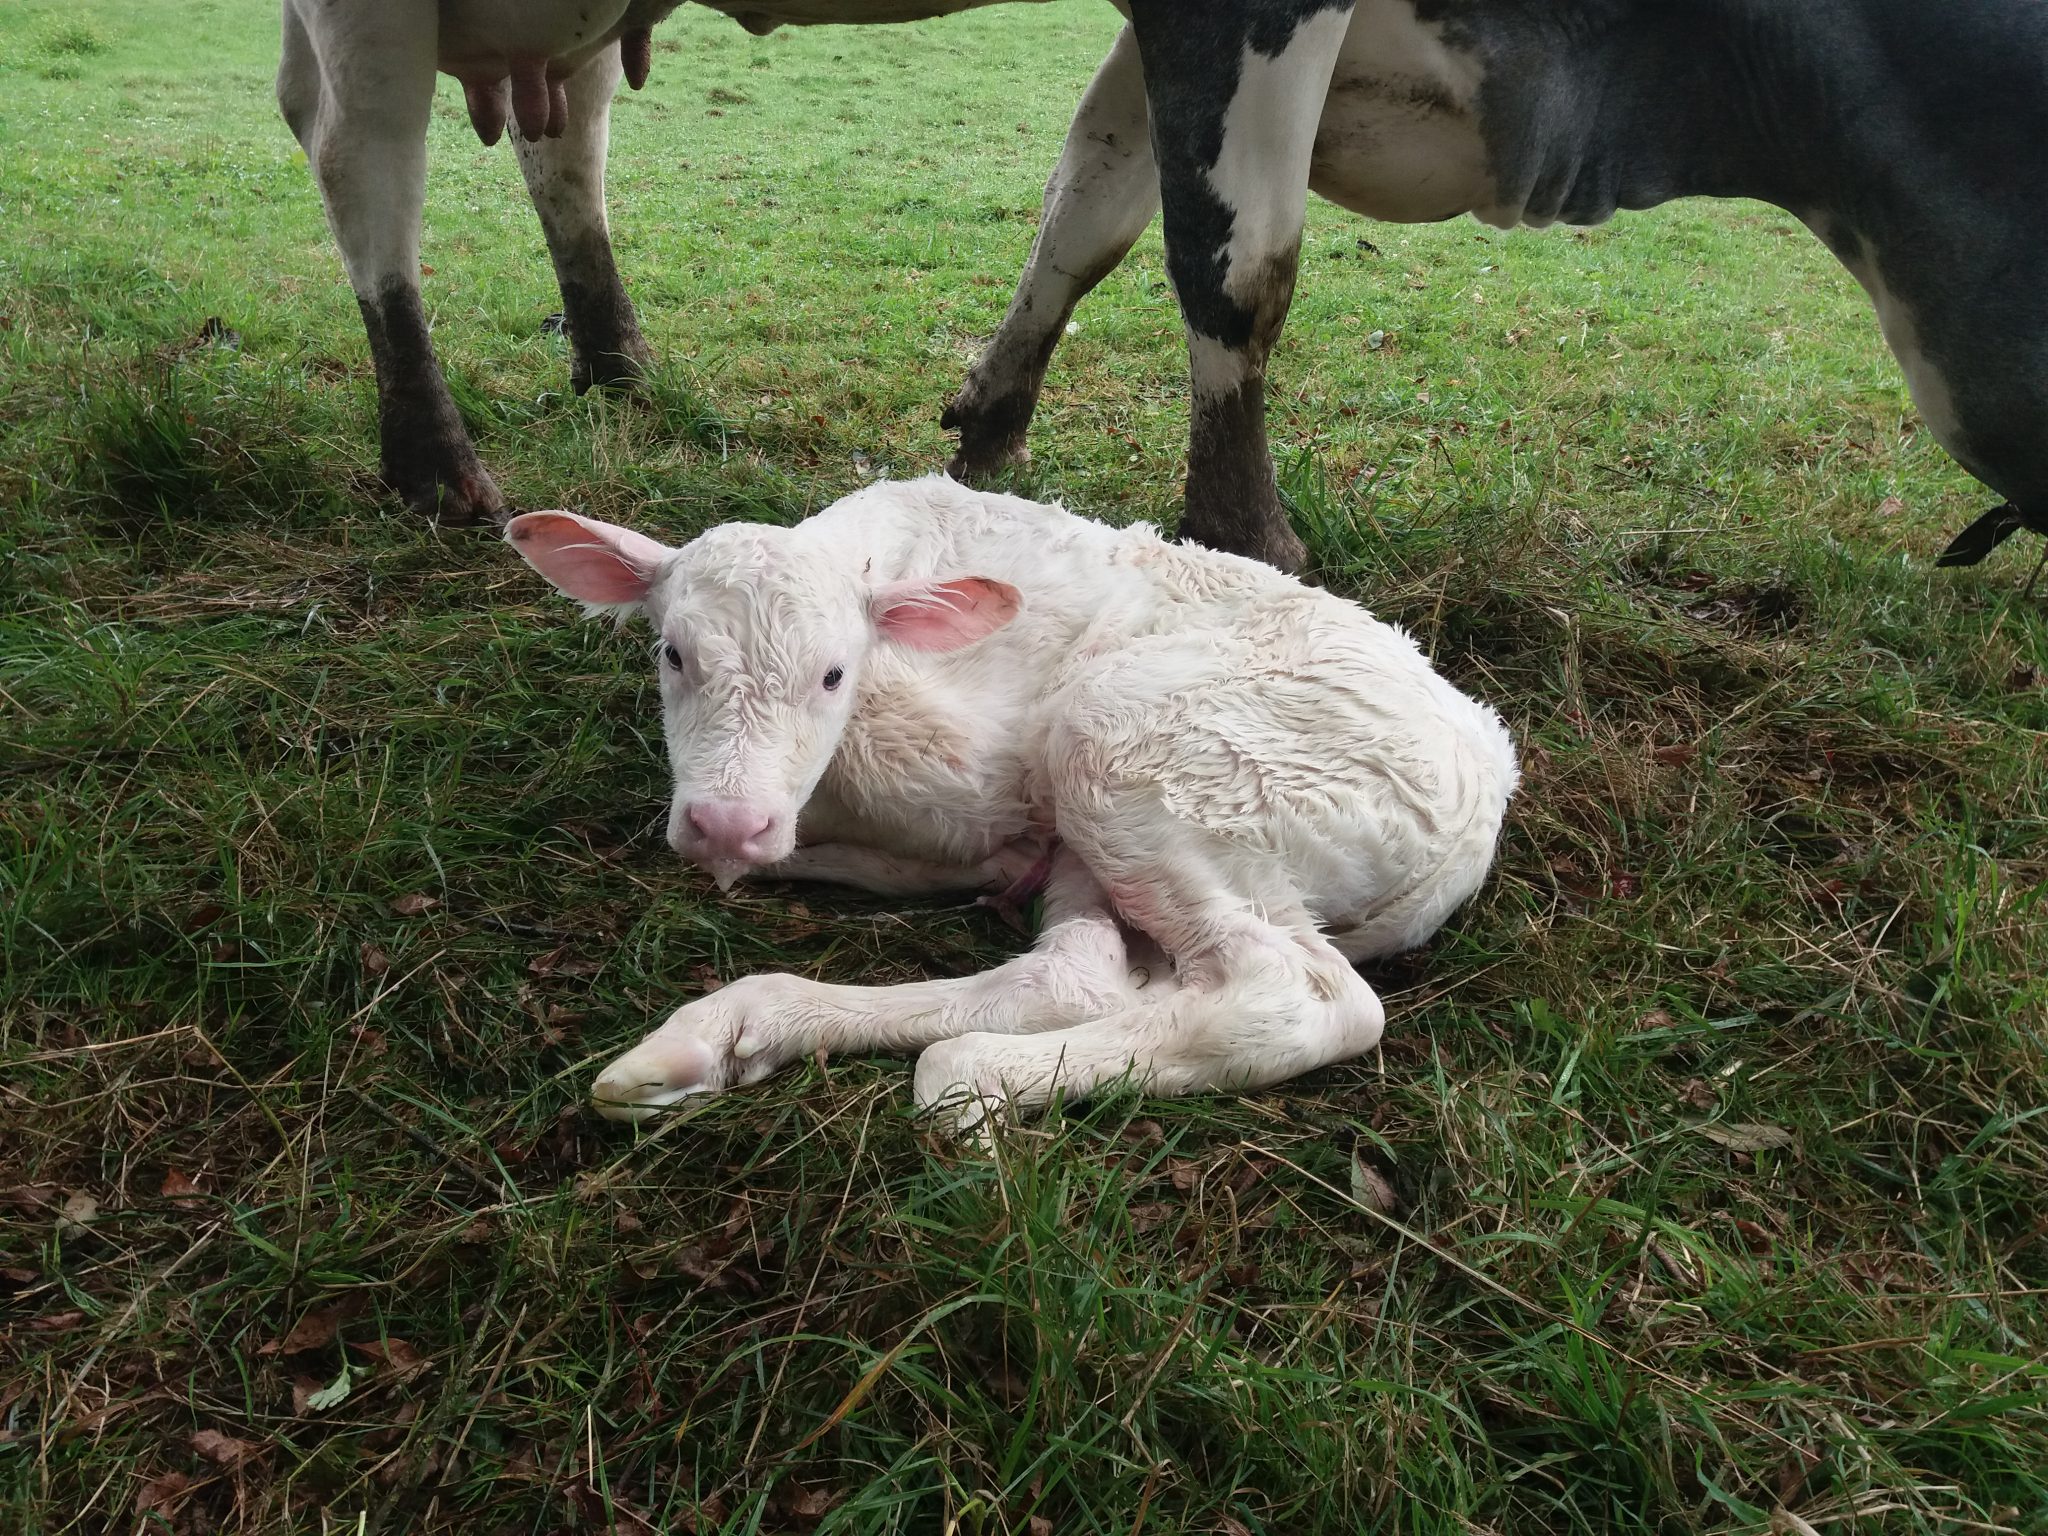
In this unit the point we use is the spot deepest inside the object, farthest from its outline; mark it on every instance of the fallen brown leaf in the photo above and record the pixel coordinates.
(1677, 754)
(375, 961)
(415, 904)
(560, 962)
(396, 1359)
(313, 1331)
(1739, 1137)
(223, 1450)
(161, 1496)
(177, 1186)
(1369, 1187)
(1153, 1213)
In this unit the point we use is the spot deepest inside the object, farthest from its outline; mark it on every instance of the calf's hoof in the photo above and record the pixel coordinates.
(955, 1086)
(720, 1041)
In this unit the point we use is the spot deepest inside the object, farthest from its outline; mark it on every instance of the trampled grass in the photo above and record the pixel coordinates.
(1699, 1184)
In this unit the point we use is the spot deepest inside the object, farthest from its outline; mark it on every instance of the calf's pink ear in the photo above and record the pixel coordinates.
(593, 562)
(943, 615)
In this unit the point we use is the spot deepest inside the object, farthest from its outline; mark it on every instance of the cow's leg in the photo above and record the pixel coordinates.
(356, 84)
(565, 177)
(1236, 95)
(745, 1031)
(1098, 201)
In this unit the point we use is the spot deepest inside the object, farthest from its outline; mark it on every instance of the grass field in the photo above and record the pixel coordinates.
(1699, 1185)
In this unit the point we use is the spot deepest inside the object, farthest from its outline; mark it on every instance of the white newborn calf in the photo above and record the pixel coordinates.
(1230, 786)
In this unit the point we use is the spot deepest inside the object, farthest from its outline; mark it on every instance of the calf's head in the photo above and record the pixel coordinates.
(762, 636)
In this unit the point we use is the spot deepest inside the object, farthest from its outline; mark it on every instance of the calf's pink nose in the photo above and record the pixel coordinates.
(730, 829)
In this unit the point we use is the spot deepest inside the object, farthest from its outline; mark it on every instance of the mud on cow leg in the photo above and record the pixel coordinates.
(428, 458)
(565, 178)
(1233, 502)
(1236, 95)
(361, 114)
(1098, 200)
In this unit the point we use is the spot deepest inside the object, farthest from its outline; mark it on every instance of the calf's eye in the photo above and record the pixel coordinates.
(834, 678)
(671, 655)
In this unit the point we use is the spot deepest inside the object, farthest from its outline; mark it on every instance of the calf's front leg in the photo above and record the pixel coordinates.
(1236, 94)
(1099, 199)
(356, 85)
(565, 178)
(743, 1032)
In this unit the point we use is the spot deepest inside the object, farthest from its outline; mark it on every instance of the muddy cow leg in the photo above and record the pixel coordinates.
(356, 88)
(1236, 91)
(565, 177)
(1098, 201)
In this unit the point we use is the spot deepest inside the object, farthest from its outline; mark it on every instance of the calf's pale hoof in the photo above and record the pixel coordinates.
(717, 1042)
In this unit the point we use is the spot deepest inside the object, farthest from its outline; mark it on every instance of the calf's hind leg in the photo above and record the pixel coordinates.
(1261, 995)
(1099, 199)
(360, 111)
(565, 178)
(1262, 1004)
(745, 1031)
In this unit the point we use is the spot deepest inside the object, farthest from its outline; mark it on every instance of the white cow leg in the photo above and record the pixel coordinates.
(1233, 125)
(565, 177)
(1099, 199)
(745, 1031)
(357, 86)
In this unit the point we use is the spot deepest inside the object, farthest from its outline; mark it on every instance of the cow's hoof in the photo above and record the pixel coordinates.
(1269, 539)
(992, 436)
(973, 466)
(462, 497)
(619, 372)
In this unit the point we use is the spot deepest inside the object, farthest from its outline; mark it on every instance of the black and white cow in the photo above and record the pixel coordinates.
(1911, 137)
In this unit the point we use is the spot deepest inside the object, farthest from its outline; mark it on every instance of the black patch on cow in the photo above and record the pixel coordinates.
(428, 458)
(1232, 502)
(1193, 56)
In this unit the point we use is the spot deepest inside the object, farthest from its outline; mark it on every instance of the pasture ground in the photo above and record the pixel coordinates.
(1699, 1185)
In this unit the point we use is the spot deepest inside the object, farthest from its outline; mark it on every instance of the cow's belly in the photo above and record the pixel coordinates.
(766, 15)
(1399, 137)
(489, 39)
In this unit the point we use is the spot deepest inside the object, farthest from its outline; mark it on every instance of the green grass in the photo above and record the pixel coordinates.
(1715, 1128)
